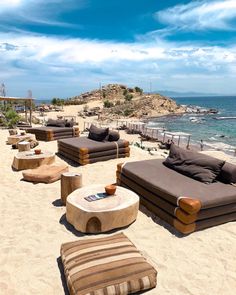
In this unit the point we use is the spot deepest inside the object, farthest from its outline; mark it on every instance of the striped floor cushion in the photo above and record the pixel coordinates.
(106, 266)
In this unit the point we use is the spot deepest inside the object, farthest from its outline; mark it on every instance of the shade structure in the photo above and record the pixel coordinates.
(21, 99)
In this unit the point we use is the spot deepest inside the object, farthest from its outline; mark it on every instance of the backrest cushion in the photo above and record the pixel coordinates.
(228, 173)
(98, 134)
(56, 123)
(193, 164)
(113, 135)
(69, 123)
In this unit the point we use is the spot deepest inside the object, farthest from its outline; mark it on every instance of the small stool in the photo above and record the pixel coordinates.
(70, 181)
(12, 131)
(23, 146)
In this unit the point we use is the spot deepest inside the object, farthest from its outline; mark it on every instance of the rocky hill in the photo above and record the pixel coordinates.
(121, 101)
(110, 92)
(144, 106)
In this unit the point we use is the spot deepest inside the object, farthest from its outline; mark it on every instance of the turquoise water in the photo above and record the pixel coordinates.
(220, 134)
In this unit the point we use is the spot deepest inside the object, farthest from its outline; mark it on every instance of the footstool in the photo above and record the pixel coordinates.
(110, 265)
(45, 173)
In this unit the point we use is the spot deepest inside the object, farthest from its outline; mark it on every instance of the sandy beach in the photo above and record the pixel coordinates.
(33, 227)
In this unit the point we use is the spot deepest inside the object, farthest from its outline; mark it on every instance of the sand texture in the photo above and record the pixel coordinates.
(33, 227)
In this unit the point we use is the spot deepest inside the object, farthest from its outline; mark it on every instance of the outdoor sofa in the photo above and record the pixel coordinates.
(100, 145)
(189, 190)
(55, 129)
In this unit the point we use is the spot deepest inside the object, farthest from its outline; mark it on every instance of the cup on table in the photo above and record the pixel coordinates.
(37, 151)
(110, 189)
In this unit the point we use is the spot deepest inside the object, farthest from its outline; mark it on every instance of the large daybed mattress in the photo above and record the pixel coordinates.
(86, 151)
(53, 133)
(183, 202)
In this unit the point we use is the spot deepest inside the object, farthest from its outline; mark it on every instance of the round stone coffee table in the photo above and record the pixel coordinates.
(29, 160)
(102, 215)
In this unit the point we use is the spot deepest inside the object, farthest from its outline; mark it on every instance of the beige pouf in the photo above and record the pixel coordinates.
(45, 173)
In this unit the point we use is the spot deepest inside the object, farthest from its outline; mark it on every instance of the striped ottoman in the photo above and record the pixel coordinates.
(106, 266)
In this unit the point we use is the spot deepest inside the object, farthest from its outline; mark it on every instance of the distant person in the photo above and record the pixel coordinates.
(201, 145)
(168, 144)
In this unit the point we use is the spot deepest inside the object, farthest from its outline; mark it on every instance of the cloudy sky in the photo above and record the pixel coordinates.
(60, 48)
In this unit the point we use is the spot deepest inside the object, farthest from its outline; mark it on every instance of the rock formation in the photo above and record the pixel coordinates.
(121, 101)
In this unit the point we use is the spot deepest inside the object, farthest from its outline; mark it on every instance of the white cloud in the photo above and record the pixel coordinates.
(43, 64)
(9, 4)
(199, 15)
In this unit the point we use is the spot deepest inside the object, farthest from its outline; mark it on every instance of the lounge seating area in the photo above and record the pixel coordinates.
(100, 145)
(189, 190)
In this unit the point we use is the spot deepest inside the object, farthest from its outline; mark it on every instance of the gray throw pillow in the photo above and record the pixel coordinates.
(55, 123)
(193, 164)
(228, 173)
(98, 134)
(113, 136)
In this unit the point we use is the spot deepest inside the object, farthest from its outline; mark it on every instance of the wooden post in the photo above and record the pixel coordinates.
(23, 146)
(30, 112)
(70, 181)
(26, 117)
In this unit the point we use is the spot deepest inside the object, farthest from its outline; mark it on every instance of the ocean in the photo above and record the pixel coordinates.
(216, 130)
(38, 102)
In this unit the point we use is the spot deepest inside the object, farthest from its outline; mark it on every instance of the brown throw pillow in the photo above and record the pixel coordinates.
(193, 164)
(98, 134)
(109, 265)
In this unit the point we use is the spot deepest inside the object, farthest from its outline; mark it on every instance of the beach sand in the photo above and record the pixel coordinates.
(33, 227)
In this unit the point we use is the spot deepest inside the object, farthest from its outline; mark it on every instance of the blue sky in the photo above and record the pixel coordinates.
(60, 48)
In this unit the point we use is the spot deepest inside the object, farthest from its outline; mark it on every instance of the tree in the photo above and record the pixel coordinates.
(12, 118)
(128, 97)
(138, 89)
(108, 104)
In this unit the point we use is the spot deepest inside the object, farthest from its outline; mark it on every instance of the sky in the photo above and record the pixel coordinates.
(61, 48)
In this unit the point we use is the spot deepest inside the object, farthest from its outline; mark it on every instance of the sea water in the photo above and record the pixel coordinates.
(216, 130)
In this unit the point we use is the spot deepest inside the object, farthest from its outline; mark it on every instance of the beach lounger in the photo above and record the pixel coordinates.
(109, 265)
(84, 150)
(183, 202)
(50, 133)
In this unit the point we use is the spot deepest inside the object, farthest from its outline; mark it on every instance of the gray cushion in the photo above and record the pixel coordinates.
(113, 135)
(195, 165)
(56, 123)
(228, 173)
(98, 134)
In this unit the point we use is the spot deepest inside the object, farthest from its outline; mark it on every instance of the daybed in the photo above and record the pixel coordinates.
(189, 190)
(100, 145)
(84, 150)
(53, 133)
(54, 130)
